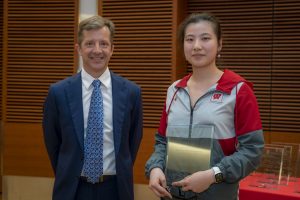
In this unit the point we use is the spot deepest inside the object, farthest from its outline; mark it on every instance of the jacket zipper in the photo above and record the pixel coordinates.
(192, 109)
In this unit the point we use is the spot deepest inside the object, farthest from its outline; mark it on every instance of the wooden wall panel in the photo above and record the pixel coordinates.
(24, 151)
(39, 50)
(284, 137)
(1, 56)
(143, 49)
(145, 151)
(285, 101)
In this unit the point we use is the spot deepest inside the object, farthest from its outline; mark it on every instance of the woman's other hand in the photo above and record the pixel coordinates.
(158, 183)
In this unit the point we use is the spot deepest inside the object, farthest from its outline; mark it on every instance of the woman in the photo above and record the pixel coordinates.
(213, 97)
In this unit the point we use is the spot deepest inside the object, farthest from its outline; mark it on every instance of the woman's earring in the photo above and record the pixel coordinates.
(219, 55)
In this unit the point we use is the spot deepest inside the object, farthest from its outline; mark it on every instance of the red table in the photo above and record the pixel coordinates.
(283, 192)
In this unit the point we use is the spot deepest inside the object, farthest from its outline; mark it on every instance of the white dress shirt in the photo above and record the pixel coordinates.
(109, 164)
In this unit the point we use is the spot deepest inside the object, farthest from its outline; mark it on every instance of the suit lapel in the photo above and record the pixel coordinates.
(74, 94)
(119, 92)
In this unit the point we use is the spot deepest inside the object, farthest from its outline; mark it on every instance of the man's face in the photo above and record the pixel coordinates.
(96, 49)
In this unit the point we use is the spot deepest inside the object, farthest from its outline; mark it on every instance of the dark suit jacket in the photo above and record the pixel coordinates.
(63, 133)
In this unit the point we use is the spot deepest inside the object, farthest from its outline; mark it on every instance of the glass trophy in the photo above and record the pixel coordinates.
(297, 171)
(268, 174)
(293, 174)
(188, 151)
(286, 162)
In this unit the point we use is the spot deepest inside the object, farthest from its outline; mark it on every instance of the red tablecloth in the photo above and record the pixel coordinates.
(283, 192)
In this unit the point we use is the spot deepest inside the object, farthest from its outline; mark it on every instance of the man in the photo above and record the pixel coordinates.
(93, 131)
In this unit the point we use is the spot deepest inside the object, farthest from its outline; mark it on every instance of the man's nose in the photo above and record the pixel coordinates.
(97, 48)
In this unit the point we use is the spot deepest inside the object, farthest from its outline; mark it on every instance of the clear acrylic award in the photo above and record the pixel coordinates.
(270, 169)
(292, 160)
(297, 171)
(286, 162)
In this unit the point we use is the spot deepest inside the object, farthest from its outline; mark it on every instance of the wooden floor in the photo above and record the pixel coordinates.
(140, 192)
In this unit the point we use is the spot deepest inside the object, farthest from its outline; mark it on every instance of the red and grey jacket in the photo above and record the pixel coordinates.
(229, 106)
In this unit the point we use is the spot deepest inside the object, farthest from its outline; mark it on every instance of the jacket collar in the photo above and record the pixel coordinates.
(228, 80)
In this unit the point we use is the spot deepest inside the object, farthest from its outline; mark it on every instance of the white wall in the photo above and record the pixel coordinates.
(87, 8)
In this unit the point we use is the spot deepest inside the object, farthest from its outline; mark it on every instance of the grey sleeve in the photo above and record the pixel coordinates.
(158, 157)
(245, 160)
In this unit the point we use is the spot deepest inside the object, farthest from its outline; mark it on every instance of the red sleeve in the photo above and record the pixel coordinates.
(247, 117)
(163, 122)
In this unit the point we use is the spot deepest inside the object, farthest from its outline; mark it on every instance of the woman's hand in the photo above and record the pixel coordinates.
(158, 183)
(197, 182)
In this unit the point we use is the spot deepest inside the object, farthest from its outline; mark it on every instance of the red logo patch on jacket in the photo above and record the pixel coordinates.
(217, 97)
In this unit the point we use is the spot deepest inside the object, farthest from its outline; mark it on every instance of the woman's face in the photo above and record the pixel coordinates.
(201, 44)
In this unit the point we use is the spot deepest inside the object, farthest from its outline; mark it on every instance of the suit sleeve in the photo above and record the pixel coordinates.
(250, 141)
(136, 129)
(51, 128)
